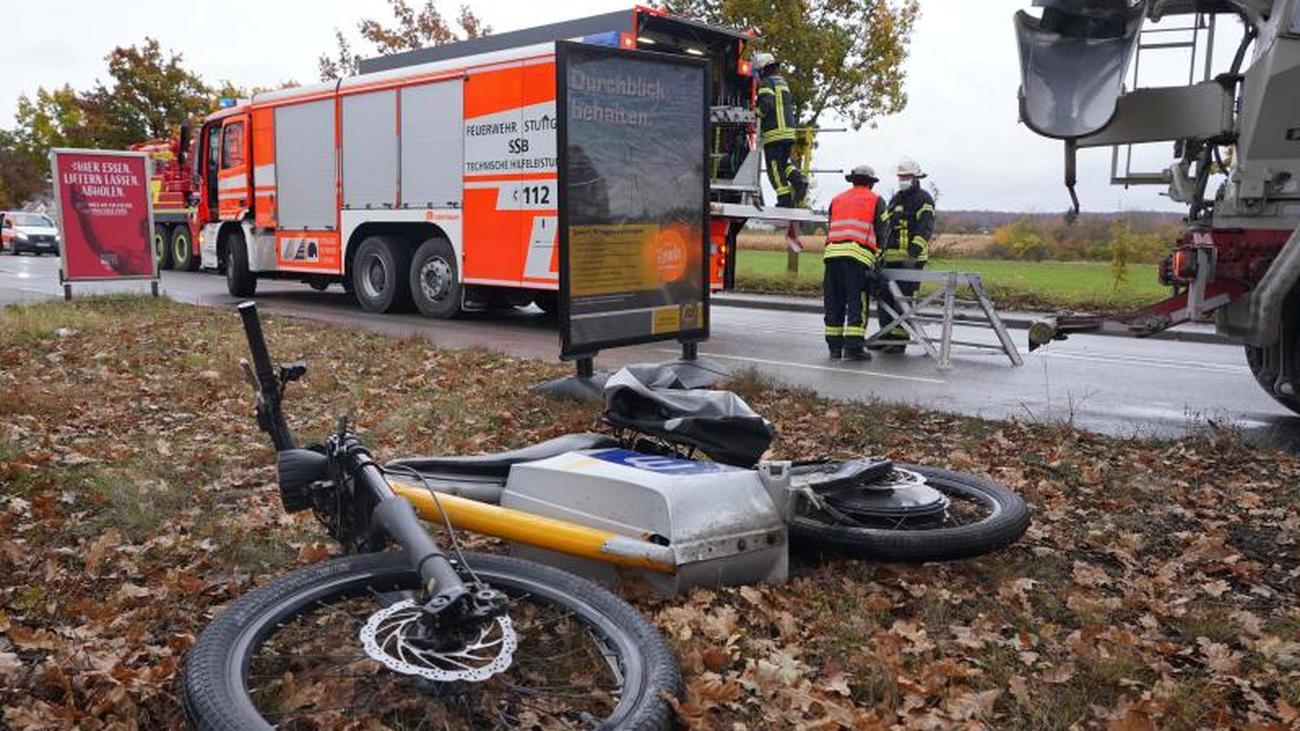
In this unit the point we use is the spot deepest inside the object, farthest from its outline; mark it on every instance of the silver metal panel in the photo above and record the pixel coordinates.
(370, 150)
(721, 523)
(305, 165)
(1167, 113)
(433, 144)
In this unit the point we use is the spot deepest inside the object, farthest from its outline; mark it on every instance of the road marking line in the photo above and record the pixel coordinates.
(789, 364)
(1138, 360)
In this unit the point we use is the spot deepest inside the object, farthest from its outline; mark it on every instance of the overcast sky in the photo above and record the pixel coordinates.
(961, 122)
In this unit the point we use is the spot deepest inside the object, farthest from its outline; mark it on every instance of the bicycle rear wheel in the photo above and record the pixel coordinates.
(288, 656)
(977, 517)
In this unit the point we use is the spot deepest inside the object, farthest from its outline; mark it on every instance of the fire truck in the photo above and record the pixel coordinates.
(430, 179)
(171, 186)
(1239, 260)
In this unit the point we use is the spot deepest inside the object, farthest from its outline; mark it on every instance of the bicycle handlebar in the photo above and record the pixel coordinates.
(269, 414)
(257, 343)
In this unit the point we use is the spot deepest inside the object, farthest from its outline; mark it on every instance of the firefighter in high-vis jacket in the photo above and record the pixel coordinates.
(911, 225)
(856, 226)
(777, 132)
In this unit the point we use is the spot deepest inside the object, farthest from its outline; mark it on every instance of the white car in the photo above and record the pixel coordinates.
(34, 232)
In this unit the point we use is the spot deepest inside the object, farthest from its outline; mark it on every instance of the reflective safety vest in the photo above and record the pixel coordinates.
(852, 231)
(775, 110)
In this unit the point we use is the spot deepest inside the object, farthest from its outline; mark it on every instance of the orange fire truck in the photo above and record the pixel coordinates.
(431, 177)
(171, 184)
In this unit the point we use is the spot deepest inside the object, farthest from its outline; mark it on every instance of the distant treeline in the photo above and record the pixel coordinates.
(1118, 238)
(985, 222)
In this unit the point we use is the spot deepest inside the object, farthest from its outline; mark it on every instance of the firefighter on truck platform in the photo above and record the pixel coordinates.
(776, 118)
(911, 219)
(857, 225)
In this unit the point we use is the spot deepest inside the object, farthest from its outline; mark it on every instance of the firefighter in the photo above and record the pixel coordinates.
(911, 220)
(776, 125)
(857, 225)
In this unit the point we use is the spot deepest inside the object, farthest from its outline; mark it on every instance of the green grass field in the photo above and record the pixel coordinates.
(1014, 284)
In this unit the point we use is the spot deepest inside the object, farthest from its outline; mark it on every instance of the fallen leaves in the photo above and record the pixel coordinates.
(1157, 587)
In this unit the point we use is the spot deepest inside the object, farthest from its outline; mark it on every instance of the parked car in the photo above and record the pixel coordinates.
(21, 231)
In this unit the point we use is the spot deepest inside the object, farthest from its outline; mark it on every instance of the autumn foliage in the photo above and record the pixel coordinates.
(1156, 588)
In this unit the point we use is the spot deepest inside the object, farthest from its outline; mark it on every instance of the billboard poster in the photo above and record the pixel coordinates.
(633, 198)
(105, 214)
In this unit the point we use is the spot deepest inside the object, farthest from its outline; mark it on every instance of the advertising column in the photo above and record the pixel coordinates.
(633, 198)
(105, 215)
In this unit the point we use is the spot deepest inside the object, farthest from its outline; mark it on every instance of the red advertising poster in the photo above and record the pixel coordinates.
(105, 214)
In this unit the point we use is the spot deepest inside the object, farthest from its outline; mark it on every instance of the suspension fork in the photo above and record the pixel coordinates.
(451, 606)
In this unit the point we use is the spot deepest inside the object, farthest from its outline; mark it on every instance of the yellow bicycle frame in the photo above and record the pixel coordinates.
(537, 531)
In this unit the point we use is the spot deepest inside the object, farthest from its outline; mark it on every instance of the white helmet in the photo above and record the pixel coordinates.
(909, 167)
(860, 172)
(762, 60)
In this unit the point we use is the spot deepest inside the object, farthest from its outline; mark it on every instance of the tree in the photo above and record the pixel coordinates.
(151, 95)
(54, 118)
(1022, 240)
(840, 55)
(411, 29)
(21, 175)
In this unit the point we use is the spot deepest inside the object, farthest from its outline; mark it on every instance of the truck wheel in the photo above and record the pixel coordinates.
(435, 279)
(240, 282)
(182, 252)
(380, 274)
(162, 252)
(1266, 363)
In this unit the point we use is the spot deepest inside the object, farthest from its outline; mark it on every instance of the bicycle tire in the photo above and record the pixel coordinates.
(1007, 520)
(213, 688)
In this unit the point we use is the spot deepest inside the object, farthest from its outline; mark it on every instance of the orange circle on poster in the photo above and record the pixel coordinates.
(670, 254)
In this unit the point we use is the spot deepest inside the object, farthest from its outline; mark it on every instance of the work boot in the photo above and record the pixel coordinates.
(800, 189)
(877, 345)
(861, 356)
(836, 354)
(784, 201)
(894, 349)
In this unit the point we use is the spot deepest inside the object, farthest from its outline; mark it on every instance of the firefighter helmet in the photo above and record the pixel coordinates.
(907, 167)
(762, 60)
(862, 172)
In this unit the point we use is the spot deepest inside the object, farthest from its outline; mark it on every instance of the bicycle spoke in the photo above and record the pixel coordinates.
(562, 673)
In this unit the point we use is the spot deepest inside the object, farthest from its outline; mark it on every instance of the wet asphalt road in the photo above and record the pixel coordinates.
(1115, 385)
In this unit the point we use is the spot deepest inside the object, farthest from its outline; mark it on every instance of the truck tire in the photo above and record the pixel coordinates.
(240, 282)
(182, 249)
(162, 253)
(435, 280)
(381, 274)
(1266, 363)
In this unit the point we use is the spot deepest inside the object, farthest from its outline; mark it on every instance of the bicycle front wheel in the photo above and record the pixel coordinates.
(288, 656)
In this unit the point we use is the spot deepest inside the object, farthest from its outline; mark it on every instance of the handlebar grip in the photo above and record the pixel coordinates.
(257, 344)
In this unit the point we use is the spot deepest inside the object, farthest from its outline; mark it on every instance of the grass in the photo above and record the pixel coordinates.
(129, 438)
(1047, 285)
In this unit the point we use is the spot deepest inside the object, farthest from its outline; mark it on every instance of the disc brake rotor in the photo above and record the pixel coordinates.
(384, 637)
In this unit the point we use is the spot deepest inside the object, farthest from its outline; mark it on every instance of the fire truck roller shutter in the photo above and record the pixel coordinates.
(433, 144)
(370, 150)
(305, 164)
